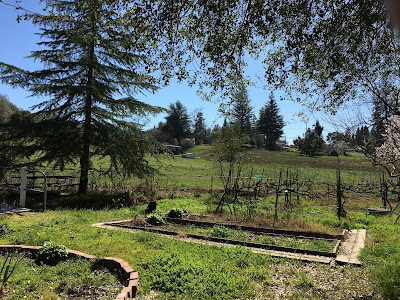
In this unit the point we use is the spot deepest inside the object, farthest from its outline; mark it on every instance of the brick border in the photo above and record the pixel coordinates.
(111, 263)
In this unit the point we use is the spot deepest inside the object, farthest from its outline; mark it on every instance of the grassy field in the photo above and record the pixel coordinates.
(181, 173)
(174, 269)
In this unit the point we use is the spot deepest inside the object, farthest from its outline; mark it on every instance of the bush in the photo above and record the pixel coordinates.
(51, 254)
(155, 219)
(176, 213)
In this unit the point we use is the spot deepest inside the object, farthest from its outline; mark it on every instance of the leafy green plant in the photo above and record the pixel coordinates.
(155, 219)
(220, 232)
(176, 213)
(304, 281)
(240, 255)
(189, 276)
(51, 253)
(7, 269)
(4, 229)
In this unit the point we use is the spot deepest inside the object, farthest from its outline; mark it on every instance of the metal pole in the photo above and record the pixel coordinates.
(22, 189)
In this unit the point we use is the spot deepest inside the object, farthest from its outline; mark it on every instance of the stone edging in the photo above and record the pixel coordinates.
(128, 274)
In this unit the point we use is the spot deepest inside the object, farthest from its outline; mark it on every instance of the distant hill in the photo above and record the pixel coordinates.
(7, 109)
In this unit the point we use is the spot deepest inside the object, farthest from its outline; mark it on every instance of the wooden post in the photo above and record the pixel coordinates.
(384, 191)
(277, 196)
(339, 194)
(22, 188)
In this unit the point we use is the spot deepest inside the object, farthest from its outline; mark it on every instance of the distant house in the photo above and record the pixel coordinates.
(173, 148)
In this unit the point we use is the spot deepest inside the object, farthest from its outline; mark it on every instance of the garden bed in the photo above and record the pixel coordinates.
(80, 276)
(257, 237)
(71, 279)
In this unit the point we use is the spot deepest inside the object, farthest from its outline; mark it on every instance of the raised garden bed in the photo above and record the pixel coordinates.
(82, 276)
(319, 244)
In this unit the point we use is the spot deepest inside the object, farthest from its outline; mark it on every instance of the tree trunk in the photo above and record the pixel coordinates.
(86, 137)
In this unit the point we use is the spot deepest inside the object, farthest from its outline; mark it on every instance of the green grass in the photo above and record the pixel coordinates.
(177, 269)
(269, 163)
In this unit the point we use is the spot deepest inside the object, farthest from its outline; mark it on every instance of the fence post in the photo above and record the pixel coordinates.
(45, 196)
(22, 188)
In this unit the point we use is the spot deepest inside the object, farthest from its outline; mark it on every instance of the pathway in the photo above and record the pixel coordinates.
(351, 247)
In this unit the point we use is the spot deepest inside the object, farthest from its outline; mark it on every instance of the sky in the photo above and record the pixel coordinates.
(19, 39)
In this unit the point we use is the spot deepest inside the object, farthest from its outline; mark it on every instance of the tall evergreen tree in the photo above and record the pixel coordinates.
(177, 123)
(270, 123)
(242, 113)
(90, 76)
(200, 130)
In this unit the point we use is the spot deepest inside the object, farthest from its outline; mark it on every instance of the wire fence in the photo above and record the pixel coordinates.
(291, 185)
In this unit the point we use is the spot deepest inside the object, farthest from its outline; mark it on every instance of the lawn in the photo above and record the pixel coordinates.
(173, 269)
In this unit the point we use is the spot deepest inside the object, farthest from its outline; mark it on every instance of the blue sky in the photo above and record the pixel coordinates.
(18, 39)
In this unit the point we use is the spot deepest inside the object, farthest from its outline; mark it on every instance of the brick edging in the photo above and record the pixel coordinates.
(112, 263)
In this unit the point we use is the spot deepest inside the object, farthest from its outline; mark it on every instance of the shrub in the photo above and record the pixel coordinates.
(176, 213)
(155, 219)
(51, 254)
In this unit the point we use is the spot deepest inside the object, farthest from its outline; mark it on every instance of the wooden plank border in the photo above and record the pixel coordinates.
(226, 241)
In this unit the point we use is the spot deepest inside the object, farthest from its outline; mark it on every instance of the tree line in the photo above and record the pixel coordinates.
(262, 132)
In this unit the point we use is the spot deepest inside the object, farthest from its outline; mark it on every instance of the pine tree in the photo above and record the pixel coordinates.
(242, 113)
(177, 123)
(200, 130)
(89, 78)
(270, 123)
